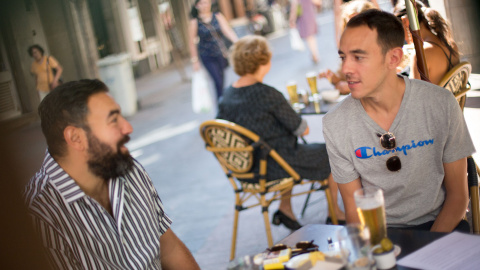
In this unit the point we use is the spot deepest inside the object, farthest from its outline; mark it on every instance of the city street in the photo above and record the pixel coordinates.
(189, 180)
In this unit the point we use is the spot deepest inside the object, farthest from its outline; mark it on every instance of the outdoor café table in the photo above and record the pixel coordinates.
(408, 240)
(319, 107)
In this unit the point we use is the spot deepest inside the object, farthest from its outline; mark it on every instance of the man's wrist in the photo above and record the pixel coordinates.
(194, 59)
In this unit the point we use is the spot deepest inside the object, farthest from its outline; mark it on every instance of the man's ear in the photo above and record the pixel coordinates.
(75, 137)
(395, 57)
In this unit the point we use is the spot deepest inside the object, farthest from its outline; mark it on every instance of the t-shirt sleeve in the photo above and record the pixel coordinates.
(459, 143)
(343, 170)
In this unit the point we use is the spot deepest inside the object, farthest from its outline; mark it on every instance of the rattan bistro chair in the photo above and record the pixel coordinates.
(456, 81)
(233, 146)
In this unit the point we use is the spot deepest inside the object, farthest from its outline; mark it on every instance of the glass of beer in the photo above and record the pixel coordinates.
(292, 92)
(312, 83)
(371, 211)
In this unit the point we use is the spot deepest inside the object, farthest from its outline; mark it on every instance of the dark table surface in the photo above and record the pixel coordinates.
(319, 107)
(408, 240)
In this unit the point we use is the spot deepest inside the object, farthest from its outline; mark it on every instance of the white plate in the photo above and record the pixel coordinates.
(330, 95)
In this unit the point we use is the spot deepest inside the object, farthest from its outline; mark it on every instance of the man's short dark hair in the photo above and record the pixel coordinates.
(390, 33)
(35, 46)
(66, 105)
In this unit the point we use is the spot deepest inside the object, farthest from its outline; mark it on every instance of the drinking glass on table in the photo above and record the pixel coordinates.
(292, 93)
(354, 242)
(371, 211)
(312, 83)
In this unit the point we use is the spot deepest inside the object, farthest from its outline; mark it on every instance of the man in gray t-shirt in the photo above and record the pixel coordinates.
(427, 184)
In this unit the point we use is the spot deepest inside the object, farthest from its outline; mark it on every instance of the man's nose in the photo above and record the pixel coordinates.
(126, 127)
(346, 66)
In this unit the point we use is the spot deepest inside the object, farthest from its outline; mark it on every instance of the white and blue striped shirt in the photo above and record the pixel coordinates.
(80, 234)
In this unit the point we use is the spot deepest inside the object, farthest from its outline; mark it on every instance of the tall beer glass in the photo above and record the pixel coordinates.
(371, 211)
(312, 83)
(292, 92)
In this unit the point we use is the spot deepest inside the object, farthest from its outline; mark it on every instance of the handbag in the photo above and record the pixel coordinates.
(201, 97)
(54, 72)
(295, 40)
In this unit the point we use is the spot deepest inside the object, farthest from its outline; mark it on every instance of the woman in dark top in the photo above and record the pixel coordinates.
(209, 29)
(264, 110)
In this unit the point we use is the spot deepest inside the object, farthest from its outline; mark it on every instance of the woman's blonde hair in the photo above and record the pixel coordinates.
(354, 7)
(249, 53)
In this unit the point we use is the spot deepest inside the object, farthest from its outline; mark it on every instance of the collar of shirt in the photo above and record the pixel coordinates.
(66, 186)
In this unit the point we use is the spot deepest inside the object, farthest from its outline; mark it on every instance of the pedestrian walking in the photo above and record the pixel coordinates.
(210, 29)
(302, 16)
(46, 69)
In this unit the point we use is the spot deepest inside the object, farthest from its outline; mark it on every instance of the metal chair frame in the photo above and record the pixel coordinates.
(237, 147)
(456, 81)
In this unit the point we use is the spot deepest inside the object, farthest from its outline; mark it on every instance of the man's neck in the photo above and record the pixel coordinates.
(93, 185)
(384, 105)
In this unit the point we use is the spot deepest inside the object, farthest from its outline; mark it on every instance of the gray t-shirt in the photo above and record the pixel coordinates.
(430, 130)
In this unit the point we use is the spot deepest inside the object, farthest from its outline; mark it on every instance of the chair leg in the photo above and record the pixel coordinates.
(268, 229)
(307, 199)
(475, 209)
(234, 234)
(331, 210)
(472, 170)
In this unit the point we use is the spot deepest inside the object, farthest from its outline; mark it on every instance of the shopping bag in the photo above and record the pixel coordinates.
(295, 40)
(201, 97)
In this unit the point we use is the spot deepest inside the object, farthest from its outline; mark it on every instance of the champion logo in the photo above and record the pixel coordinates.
(365, 152)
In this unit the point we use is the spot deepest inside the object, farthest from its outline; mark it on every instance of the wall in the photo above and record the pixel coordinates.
(463, 15)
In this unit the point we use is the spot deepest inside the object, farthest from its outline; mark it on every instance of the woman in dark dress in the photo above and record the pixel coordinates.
(264, 110)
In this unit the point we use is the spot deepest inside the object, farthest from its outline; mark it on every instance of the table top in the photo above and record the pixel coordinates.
(408, 240)
(319, 107)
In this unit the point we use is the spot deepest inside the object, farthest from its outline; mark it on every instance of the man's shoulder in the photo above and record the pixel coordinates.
(428, 90)
(138, 173)
(340, 113)
(37, 186)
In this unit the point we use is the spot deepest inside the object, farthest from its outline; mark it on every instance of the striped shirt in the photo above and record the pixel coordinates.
(80, 234)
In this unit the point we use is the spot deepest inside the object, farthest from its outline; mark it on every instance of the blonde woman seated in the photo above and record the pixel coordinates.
(264, 110)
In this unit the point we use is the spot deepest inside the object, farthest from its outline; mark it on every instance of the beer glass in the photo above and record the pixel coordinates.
(292, 92)
(354, 242)
(371, 211)
(312, 83)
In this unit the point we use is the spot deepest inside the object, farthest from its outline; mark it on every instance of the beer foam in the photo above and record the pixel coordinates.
(368, 204)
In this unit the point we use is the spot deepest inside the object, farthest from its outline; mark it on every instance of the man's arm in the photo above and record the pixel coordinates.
(456, 200)
(174, 254)
(348, 201)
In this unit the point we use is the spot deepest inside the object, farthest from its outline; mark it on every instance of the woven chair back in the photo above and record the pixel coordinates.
(223, 137)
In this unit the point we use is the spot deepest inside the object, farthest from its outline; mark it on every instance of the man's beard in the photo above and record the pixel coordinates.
(104, 162)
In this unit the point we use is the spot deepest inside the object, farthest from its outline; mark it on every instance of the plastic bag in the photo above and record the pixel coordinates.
(201, 97)
(295, 40)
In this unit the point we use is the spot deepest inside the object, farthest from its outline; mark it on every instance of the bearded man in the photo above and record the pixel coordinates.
(94, 206)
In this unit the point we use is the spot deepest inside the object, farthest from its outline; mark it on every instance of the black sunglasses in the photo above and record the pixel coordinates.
(388, 142)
